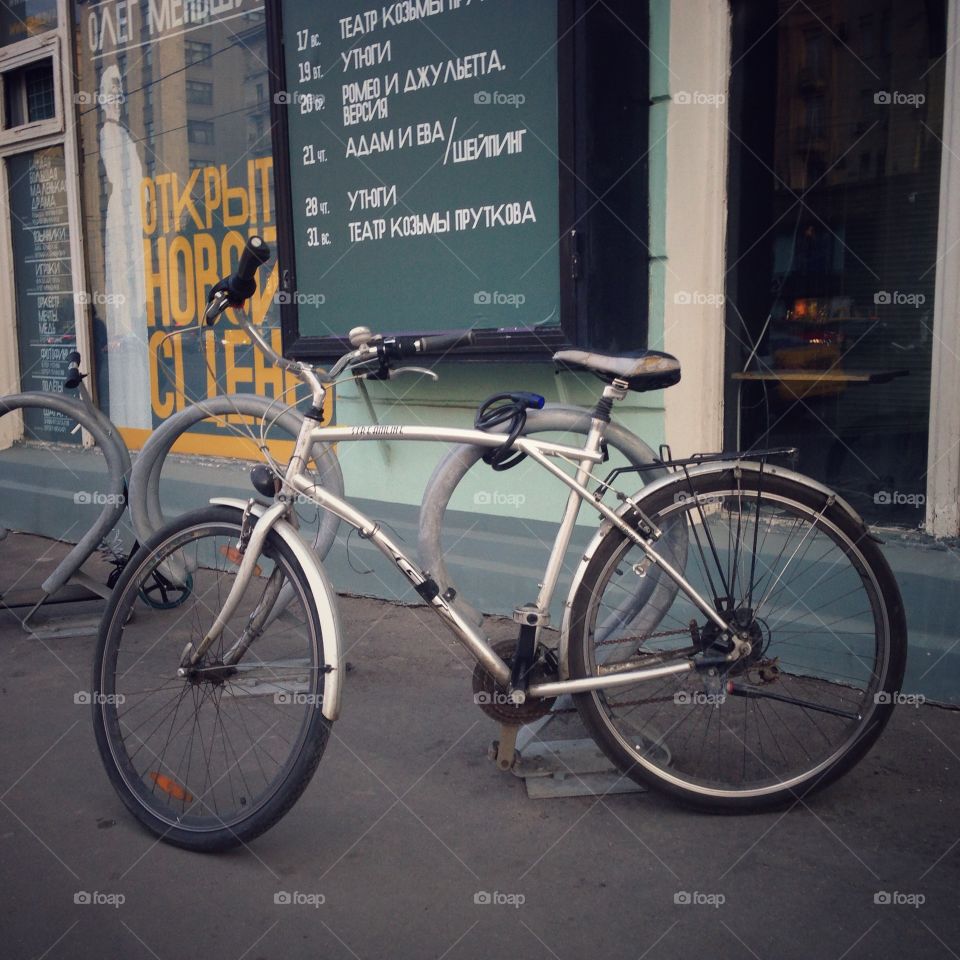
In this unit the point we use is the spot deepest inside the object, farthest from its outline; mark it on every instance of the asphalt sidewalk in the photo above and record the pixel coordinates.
(409, 843)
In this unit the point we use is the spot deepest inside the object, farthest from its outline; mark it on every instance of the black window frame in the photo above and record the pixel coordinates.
(586, 274)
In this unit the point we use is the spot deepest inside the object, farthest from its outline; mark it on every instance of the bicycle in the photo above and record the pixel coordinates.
(732, 636)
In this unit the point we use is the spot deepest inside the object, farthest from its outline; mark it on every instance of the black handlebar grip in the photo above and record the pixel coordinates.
(243, 283)
(396, 349)
(74, 376)
(255, 254)
(445, 342)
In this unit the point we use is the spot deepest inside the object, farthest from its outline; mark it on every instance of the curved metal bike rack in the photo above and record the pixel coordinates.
(118, 464)
(146, 512)
(458, 460)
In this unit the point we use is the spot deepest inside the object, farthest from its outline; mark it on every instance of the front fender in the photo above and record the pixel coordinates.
(324, 597)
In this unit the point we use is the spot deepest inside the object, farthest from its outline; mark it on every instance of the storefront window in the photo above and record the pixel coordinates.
(836, 120)
(174, 182)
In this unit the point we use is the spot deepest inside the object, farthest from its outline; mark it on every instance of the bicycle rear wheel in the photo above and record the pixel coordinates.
(212, 760)
(798, 574)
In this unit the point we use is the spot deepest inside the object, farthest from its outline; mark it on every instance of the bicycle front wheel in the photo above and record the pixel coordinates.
(793, 571)
(213, 759)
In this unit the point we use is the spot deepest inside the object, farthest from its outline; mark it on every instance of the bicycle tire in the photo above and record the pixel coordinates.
(653, 753)
(184, 814)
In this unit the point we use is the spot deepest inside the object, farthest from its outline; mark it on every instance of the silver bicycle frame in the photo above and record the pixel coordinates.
(298, 482)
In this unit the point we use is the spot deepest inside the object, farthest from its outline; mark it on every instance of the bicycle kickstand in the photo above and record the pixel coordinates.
(504, 750)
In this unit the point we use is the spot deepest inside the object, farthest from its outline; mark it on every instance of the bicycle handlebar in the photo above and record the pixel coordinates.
(232, 291)
(242, 284)
(74, 377)
(255, 254)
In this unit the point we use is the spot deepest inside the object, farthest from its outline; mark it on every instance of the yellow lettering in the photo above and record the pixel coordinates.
(156, 279)
(205, 265)
(183, 201)
(211, 192)
(229, 195)
(148, 206)
(183, 304)
(163, 404)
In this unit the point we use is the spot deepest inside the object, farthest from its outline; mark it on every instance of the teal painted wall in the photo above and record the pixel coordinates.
(397, 472)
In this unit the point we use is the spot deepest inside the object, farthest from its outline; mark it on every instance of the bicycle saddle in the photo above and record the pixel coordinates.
(641, 369)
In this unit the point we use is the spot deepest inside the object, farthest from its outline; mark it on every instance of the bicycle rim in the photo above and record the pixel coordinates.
(790, 571)
(213, 751)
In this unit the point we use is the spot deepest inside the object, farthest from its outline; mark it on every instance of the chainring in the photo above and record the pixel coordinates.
(494, 700)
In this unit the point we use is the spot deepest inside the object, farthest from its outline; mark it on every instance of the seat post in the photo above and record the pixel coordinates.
(615, 390)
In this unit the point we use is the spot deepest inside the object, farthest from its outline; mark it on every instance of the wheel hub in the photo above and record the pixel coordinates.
(748, 627)
(215, 673)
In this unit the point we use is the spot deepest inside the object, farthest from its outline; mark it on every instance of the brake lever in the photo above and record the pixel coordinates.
(423, 371)
(386, 372)
(216, 305)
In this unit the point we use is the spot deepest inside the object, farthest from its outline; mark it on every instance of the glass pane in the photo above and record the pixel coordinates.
(20, 19)
(38, 83)
(28, 94)
(178, 171)
(42, 278)
(837, 144)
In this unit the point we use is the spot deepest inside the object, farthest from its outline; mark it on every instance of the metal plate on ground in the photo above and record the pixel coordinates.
(69, 593)
(59, 627)
(570, 768)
